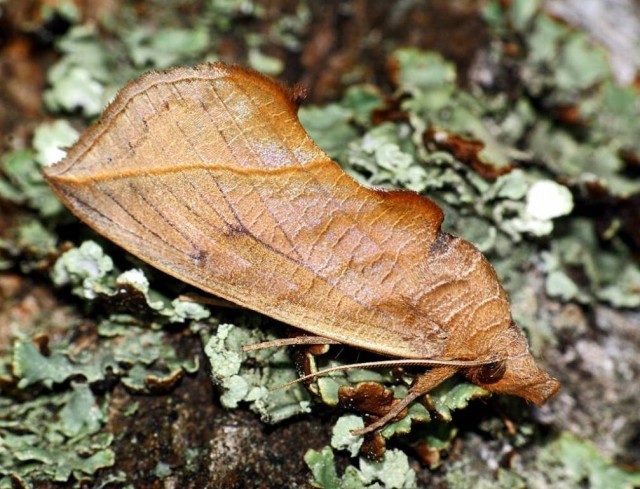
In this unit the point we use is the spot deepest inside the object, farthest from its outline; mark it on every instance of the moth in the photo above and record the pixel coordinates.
(206, 174)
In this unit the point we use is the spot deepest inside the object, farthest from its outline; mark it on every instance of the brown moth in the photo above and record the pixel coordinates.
(207, 174)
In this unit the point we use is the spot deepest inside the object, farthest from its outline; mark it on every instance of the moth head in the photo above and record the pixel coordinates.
(514, 371)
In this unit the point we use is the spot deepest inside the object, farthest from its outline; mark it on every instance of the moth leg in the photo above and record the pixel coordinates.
(422, 384)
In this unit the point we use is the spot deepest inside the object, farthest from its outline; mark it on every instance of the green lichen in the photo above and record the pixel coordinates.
(29, 245)
(57, 437)
(161, 48)
(125, 349)
(453, 394)
(83, 78)
(289, 28)
(33, 238)
(329, 126)
(560, 69)
(50, 140)
(576, 462)
(461, 476)
(610, 277)
(393, 472)
(255, 377)
(323, 468)
(30, 366)
(24, 184)
(91, 274)
(63, 8)
(86, 267)
(264, 63)
(21, 180)
(137, 356)
(162, 470)
(342, 439)
(565, 461)
(417, 413)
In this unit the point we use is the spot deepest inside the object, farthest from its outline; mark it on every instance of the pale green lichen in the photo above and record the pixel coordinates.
(329, 126)
(90, 71)
(54, 437)
(264, 63)
(289, 28)
(417, 413)
(578, 463)
(91, 274)
(323, 468)
(141, 358)
(162, 470)
(393, 472)
(242, 382)
(254, 381)
(23, 183)
(566, 461)
(462, 476)
(134, 355)
(562, 68)
(83, 78)
(50, 140)
(453, 394)
(30, 366)
(609, 276)
(162, 48)
(421, 72)
(388, 158)
(86, 268)
(342, 439)
(29, 245)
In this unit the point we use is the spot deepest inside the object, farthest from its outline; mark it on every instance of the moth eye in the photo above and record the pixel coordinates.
(492, 372)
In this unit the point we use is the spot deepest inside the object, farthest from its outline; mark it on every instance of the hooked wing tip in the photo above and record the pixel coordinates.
(542, 392)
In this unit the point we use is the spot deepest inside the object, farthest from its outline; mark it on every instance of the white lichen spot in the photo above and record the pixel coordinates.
(135, 278)
(49, 139)
(548, 200)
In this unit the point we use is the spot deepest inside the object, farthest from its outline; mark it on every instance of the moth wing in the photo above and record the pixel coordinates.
(207, 174)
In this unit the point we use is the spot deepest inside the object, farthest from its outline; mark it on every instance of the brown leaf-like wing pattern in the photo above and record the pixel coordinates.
(207, 174)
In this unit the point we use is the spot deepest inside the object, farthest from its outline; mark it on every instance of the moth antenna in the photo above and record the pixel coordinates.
(387, 363)
(300, 340)
(519, 355)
